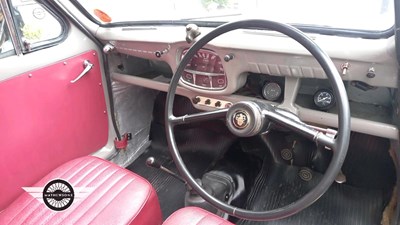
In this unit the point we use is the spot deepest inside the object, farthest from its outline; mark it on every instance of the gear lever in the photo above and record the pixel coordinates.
(151, 162)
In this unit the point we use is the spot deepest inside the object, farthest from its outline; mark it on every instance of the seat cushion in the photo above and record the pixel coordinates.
(195, 216)
(116, 196)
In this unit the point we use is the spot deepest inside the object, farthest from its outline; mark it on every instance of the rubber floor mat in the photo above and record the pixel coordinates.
(170, 191)
(280, 185)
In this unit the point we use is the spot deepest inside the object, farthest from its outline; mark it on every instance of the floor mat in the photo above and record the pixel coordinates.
(279, 185)
(170, 191)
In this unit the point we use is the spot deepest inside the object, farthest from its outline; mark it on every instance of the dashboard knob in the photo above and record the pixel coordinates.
(228, 57)
(192, 31)
(371, 72)
(345, 68)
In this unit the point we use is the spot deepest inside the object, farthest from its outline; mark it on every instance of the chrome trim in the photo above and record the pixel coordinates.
(204, 73)
(11, 28)
(213, 103)
(211, 88)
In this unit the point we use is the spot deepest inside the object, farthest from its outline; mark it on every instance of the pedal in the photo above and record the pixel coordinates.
(340, 178)
(305, 174)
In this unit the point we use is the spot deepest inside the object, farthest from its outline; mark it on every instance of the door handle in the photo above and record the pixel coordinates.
(87, 65)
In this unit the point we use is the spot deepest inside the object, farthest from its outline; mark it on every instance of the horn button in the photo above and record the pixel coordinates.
(240, 119)
(245, 119)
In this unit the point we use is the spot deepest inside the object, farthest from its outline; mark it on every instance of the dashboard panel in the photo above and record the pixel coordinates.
(368, 68)
(267, 53)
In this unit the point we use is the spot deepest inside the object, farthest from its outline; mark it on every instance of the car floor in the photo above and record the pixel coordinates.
(273, 182)
(341, 204)
(279, 184)
(170, 191)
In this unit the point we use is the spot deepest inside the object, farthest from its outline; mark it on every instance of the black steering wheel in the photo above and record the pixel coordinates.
(248, 118)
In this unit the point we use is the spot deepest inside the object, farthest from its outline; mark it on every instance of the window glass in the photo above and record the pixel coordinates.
(6, 46)
(347, 14)
(35, 23)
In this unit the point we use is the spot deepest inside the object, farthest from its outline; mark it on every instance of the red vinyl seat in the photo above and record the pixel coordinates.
(116, 196)
(195, 216)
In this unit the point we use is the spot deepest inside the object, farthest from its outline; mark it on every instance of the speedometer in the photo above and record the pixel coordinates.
(205, 70)
(205, 61)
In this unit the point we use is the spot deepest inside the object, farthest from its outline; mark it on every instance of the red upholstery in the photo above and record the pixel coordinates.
(119, 197)
(195, 216)
(46, 121)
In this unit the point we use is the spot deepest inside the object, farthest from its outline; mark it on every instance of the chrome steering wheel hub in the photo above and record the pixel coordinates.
(245, 119)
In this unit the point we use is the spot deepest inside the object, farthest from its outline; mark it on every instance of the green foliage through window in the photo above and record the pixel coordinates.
(219, 3)
(31, 33)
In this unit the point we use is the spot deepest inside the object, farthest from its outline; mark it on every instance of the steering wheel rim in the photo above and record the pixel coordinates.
(340, 144)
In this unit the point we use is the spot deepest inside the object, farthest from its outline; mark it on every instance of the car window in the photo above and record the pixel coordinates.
(372, 15)
(6, 46)
(36, 26)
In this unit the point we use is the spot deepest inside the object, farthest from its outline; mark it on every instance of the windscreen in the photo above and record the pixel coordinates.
(374, 15)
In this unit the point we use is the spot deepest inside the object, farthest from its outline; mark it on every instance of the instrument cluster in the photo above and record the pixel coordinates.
(205, 71)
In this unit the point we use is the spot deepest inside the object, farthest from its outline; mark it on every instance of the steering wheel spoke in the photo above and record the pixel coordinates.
(198, 117)
(319, 135)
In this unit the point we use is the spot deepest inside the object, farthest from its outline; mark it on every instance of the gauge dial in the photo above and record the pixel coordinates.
(324, 99)
(205, 71)
(205, 61)
(272, 91)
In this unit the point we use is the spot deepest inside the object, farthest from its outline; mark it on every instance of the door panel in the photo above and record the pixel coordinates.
(46, 120)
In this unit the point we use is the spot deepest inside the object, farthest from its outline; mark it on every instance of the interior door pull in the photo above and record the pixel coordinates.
(87, 65)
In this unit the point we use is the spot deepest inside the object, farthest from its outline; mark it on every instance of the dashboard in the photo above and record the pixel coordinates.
(252, 64)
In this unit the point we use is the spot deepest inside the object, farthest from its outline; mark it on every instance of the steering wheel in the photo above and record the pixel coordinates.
(249, 118)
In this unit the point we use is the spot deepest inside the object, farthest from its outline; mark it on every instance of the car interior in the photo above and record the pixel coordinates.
(199, 112)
